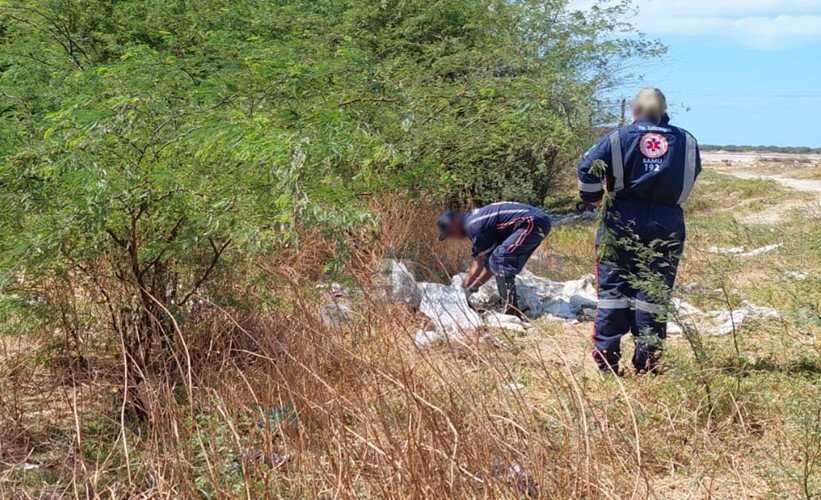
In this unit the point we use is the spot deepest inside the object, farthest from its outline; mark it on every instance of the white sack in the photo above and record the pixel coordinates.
(447, 308)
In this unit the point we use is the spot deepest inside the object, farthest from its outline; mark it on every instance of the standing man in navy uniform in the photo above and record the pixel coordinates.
(648, 168)
(504, 236)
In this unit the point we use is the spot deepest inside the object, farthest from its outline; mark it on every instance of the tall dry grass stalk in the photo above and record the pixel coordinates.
(375, 415)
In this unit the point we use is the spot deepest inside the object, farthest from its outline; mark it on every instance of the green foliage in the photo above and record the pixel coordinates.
(148, 145)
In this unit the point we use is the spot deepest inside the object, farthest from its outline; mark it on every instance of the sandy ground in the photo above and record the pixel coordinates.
(753, 157)
(756, 166)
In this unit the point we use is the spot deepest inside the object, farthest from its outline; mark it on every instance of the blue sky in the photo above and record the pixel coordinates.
(738, 72)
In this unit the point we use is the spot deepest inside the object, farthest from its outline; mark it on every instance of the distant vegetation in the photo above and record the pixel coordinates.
(762, 149)
(150, 151)
(186, 184)
(155, 143)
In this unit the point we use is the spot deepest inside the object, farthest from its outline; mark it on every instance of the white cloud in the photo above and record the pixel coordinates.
(763, 24)
(760, 31)
(727, 8)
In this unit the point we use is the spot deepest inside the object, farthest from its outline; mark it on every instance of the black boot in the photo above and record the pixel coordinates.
(510, 296)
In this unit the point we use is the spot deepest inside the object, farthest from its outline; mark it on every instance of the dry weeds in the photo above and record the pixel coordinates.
(376, 416)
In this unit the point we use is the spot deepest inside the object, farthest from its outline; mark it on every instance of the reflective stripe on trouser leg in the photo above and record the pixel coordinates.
(648, 319)
(612, 315)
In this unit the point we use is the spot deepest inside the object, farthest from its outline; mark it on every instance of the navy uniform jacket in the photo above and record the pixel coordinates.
(646, 161)
(489, 226)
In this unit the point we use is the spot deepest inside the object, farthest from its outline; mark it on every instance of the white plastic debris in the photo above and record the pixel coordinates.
(425, 337)
(726, 250)
(394, 283)
(447, 307)
(682, 308)
(731, 320)
(338, 290)
(334, 315)
(796, 275)
(451, 315)
(513, 388)
(674, 328)
(741, 251)
(542, 297)
(762, 250)
(501, 321)
(563, 220)
(715, 322)
(494, 341)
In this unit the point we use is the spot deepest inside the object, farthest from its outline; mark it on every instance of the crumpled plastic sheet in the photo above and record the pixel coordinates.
(575, 300)
(504, 322)
(447, 308)
(394, 283)
(732, 320)
(718, 322)
(561, 299)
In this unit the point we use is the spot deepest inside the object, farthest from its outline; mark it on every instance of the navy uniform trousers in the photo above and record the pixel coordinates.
(635, 279)
(509, 258)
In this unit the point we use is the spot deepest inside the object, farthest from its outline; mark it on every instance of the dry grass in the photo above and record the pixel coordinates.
(378, 416)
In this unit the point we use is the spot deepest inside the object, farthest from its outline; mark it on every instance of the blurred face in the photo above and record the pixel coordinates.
(451, 229)
(455, 229)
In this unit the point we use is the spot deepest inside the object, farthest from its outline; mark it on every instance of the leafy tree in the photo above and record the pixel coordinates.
(147, 146)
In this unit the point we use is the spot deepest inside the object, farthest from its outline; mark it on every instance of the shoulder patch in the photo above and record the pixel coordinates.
(653, 145)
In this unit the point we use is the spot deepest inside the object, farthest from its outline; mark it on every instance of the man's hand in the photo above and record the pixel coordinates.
(475, 270)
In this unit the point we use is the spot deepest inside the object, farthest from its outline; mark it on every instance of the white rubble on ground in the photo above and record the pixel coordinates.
(742, 252)
(450, 314)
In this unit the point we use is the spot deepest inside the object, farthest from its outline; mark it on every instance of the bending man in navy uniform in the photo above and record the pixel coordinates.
(504, 236)
(648, 168)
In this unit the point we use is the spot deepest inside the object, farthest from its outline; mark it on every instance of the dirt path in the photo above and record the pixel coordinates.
(777, 213)
(806, 185)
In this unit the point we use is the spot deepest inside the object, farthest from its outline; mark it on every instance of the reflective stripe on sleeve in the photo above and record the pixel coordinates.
(590, 187)
(494, 214)
(689, 169)
(617, 160)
